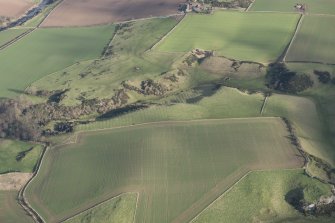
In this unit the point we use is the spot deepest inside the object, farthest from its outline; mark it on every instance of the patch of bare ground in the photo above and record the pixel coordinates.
(14, 181)
(93, 12)
(14, 8)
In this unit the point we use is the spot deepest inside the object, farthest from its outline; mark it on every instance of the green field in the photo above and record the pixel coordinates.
(260, 197)
(10, 149)
(260, 37)
(313, 6)
(45, 51)
(178, 167)
(120, 209)
(10, 210)
(8, 35)
(314, 41)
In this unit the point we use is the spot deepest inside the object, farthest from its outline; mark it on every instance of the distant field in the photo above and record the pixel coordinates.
(9, 151)
(10, 210)
(34, 57)
(8, 35)
(120, 209)
(313, 6)
(244, 36)
(178, 168)
(14, 8)
(314, 41)
(92, 12)
(260, 197)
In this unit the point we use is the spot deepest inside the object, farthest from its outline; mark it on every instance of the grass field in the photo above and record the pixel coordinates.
(314, 41)
(9, 150)
(8, 35)
(260, 197)
(34, 57)
(244, 36)
(313, 6)
(120, 209)
(178, 168)
(10, 210)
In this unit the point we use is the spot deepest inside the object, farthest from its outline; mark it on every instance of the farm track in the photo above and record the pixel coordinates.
(9, 43)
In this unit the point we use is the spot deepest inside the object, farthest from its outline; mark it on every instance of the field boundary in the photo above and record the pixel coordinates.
(167, 34)
(22, 200)
(237, 182)
(171, 122)
(103, 202)
(297, 29)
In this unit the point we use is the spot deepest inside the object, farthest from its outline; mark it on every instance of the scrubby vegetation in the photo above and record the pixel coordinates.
(282, 79)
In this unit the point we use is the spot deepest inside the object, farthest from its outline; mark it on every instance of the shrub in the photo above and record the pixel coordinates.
(282, 79)
(324, 76)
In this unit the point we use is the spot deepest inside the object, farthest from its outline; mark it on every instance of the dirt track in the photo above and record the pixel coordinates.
(14, 8)
(93, 12)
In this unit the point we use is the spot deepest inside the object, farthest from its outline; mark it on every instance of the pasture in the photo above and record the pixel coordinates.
(10, 210)
(93, 12)
(34, 56)
(260, 197)
(17, 156)
(120, 209)
(14, 8)
(178, 168)
(314, 41)
(244, 36)
(313, 6)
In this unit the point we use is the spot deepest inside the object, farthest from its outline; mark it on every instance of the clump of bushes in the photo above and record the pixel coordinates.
(323, 76)
(280, 78)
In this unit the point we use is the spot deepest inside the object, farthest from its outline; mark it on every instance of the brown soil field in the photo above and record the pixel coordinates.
(14, 8)
(93, 12)
(14, 181)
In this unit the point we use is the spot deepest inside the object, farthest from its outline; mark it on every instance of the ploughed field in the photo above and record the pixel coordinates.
(177, 168)
(14, 8)
(92, 12)
(260, 37)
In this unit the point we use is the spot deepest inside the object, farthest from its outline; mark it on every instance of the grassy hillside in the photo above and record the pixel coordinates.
(18, 156)
(178, 168)
(34, 56)
(10, 210)
(244, 36)
(313, 6)
(260, 197)
(120, 209)
(314, 41)
(98, 79)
